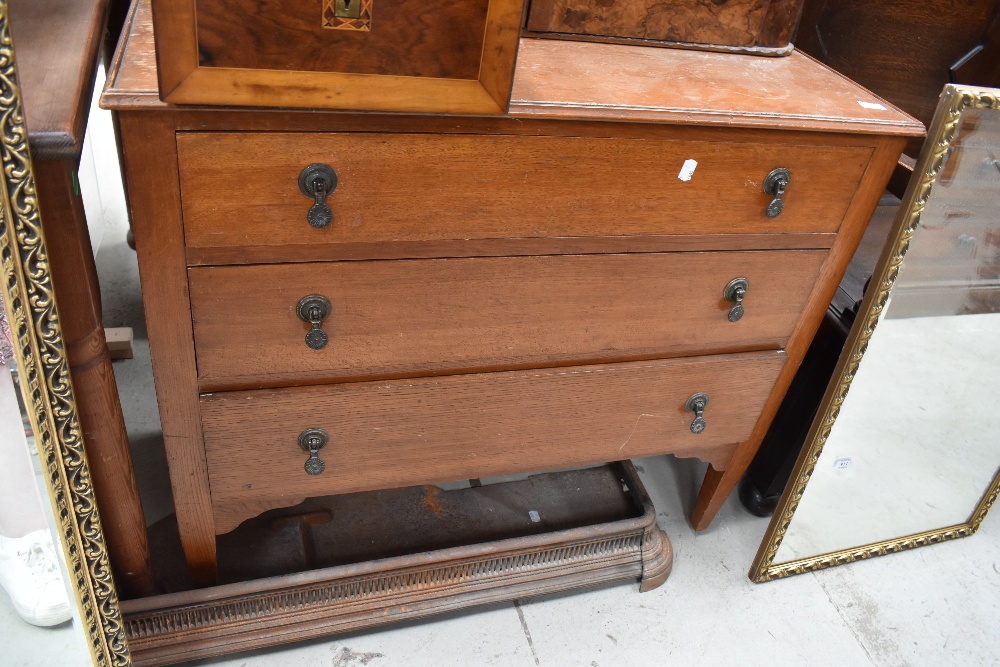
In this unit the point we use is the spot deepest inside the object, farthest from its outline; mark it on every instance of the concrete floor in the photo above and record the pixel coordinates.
(936, 605)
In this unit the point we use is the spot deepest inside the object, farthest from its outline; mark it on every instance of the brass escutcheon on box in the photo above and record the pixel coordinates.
(348, 14)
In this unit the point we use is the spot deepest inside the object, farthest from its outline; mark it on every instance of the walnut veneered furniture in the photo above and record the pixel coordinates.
(449, 56)
(761, 27)
(462, 297)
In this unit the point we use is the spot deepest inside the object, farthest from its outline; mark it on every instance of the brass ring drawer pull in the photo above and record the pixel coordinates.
(312, 440)
(314, 309)
(696, 404)
(775, 185)
(318, 181)
(736, 291)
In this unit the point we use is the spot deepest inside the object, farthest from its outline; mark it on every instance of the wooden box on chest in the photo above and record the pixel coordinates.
(410, 299)
(454, 56)
(762, 27)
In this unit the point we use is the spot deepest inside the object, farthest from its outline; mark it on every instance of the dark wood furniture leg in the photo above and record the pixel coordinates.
(78, 295)
(58, 43)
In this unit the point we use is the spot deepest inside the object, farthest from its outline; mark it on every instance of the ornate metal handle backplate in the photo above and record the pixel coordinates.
(318, 181)
(735, 291)
(312, 440)
(775, 185)
(314, 309)
(696, 404)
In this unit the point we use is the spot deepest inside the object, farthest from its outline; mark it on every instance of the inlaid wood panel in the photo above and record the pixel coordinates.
(451, 56)
(407, 37)
(403, 432)
(241, 189)
(732, 22)
(422, 317)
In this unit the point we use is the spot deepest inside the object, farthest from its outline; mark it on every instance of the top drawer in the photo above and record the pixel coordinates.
(241, 190)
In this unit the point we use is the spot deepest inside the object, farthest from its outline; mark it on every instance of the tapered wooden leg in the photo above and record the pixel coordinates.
(715, 489)
(157, 219)
(78, 298)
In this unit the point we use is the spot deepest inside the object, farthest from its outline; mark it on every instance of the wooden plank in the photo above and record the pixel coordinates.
(431, 317)
(418, 187)
(174, 22)
(156, 218)
(74, 280)
(499, 55)
(582, 80)
(404, 432)
(57, 46)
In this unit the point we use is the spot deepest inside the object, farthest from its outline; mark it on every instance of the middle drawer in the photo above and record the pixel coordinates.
(438, 316)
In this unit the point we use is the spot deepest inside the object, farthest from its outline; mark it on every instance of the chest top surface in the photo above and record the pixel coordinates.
(612, 82)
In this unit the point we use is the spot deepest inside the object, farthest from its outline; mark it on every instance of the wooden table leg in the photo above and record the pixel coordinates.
(78, 298)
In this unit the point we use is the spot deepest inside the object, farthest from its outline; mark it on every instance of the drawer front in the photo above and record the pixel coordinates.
(403, 432)
(241, 189)
(426, 317)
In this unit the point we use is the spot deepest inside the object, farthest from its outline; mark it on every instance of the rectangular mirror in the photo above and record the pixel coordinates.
(905, 448)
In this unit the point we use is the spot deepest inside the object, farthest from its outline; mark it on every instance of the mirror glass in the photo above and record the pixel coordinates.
(916, 444)
(38, 614)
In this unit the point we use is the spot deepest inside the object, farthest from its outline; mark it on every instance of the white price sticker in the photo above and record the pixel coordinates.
(687, 170)
(873, 105)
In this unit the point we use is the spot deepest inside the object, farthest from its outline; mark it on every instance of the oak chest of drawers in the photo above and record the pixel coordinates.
(558, 286)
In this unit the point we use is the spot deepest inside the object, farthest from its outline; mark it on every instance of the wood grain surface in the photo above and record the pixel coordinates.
(403, 432)
(74, 279)
(431, 38)
(718, 484)
(242, 188)
(603, 82)
(730, 22)
(443, 56)
(781, 23)
(159, 238)
(629, 106)
(569, 80)
(429, 317)
(57, 45)
(899, 49)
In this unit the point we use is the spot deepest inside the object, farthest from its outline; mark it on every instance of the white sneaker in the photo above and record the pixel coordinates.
(29, 573)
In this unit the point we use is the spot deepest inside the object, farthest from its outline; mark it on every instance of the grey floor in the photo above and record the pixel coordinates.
(938, 605)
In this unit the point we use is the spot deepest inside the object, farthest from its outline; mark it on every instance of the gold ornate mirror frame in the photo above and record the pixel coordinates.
(45, 379)
(933, 157)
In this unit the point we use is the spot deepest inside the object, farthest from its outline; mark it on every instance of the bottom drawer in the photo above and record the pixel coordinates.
(404, 432)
